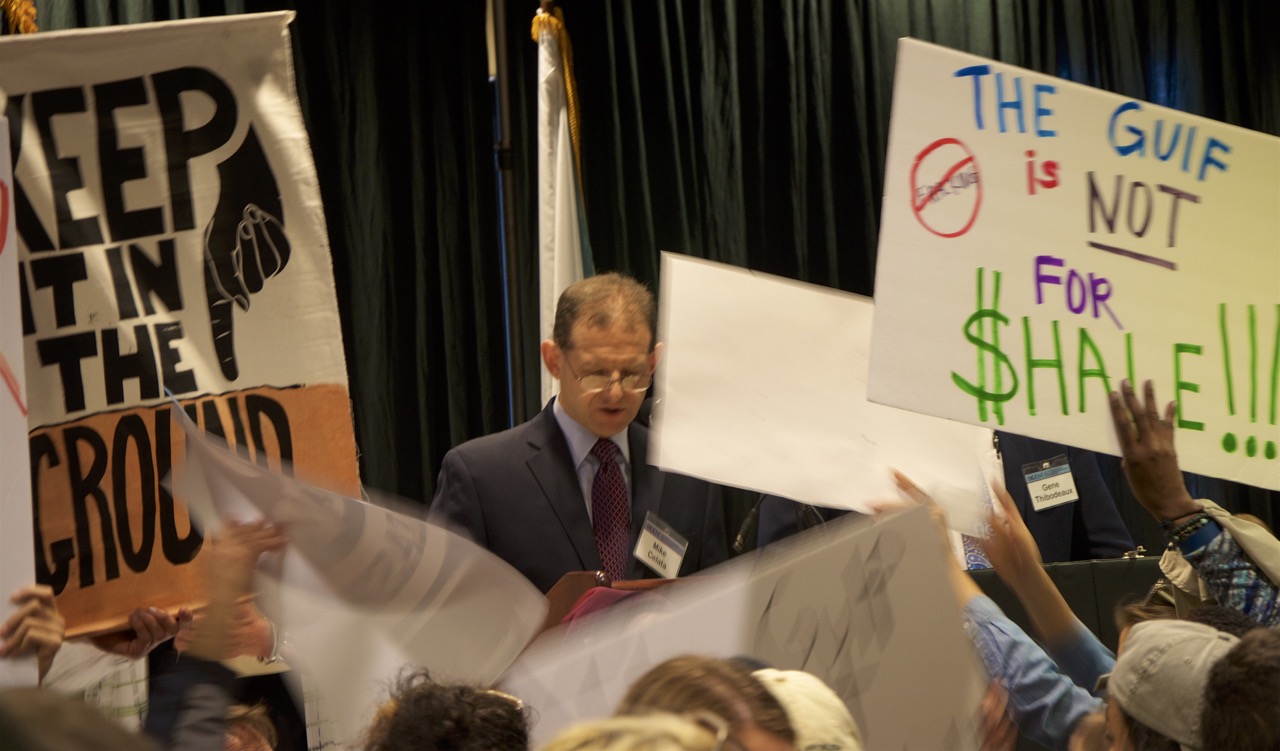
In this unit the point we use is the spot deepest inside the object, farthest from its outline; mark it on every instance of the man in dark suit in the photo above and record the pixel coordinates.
(570, 490)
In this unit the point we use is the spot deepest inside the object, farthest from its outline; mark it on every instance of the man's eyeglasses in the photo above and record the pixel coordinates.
(600, 381)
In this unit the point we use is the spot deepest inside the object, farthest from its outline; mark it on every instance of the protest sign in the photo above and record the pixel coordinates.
(16, 546)
(867, 607)
(764, 386)
(390, 588)
(1042, 240)
(171, 238)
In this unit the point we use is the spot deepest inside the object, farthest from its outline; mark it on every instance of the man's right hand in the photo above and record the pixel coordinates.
(1150, 462)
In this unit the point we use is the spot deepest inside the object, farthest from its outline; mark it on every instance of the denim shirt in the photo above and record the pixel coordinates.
(1045, 701)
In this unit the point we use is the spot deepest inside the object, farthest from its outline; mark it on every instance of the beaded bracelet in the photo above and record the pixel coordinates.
(1183, 532)
(1171, 523)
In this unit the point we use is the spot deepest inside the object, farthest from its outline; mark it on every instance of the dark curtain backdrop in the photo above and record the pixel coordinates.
(746, 131)
(753, 132)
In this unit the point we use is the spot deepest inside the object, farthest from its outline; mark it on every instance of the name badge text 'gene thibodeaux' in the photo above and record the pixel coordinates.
(1050, 483)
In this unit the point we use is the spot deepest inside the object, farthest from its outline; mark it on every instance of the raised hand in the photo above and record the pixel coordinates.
(234, 551)
(917, 495)
(1010, 548)
(1150, 462)
(244, 243)
(249, 632)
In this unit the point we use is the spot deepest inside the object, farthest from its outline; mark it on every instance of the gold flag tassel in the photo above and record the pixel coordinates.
(553, 23)
(21, 15)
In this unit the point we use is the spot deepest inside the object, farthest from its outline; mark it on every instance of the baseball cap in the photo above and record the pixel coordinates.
(818, 717)
(1160, 676)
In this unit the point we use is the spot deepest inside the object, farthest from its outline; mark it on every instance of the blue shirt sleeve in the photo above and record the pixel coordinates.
(1044, 703)
(1084, 660)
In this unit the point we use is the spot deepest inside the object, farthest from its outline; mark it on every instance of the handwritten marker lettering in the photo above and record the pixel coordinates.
(1265, 385)
(1080, 295)
(1049, 170)
(1009, 98)
(1128, 134)
(988, 343)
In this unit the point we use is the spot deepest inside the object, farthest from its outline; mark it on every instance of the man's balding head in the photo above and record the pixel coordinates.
(603, 302)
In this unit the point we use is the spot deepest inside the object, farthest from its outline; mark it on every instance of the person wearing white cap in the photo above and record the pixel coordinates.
(1156, 692)
(819, 718)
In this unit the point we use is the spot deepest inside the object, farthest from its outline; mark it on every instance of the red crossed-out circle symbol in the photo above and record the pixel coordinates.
(947, 170)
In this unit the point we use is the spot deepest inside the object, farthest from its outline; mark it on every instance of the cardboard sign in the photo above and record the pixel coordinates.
(1041, 241)
(171, 239)
(363, 589)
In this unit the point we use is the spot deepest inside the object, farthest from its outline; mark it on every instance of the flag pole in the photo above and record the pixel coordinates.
(517, 412)
(563, 250)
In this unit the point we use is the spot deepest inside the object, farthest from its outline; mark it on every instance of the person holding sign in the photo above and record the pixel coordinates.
(35, 627)
(1214, 554)
(110, 671)
(571, 489)
(1045, 685)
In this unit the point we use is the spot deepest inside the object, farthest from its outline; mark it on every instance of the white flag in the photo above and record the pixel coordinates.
(560, 225)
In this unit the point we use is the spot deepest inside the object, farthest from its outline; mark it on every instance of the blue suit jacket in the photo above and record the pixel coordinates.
(517, 494)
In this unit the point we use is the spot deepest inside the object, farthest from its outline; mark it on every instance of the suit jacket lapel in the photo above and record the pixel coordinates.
(552, 467)
(646, 490)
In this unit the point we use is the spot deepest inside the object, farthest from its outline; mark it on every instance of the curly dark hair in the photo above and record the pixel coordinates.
(423, 714)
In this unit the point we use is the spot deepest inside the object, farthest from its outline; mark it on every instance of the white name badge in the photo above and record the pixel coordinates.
(660, 547)
(1050, 483)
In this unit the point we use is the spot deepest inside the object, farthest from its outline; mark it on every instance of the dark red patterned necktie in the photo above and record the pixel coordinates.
(610, 511)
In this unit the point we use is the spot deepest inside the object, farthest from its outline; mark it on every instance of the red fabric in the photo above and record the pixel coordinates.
(594, 600)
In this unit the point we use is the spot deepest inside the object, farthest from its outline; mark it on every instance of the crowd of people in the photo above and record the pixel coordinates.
(1197, 667)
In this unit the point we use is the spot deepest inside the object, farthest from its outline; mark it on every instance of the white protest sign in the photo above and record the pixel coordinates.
(763, 385)
(1041, 241)
(363, 591)
(17, 548)
(864, 606)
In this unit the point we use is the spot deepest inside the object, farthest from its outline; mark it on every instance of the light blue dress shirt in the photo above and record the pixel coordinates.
(584, 462)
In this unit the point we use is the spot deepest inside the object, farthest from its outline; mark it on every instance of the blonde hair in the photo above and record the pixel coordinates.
(654, 732)
(249, 723)
(695, 683)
